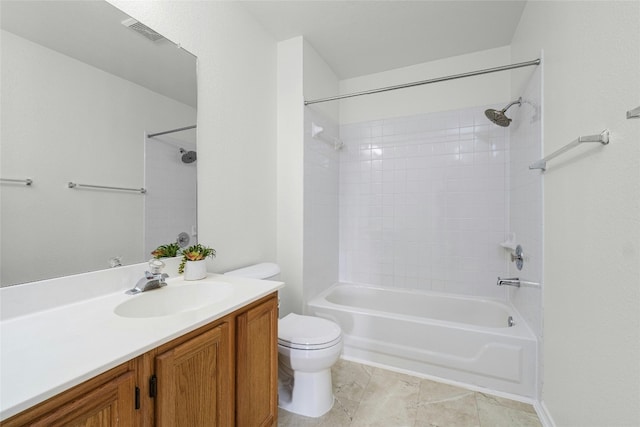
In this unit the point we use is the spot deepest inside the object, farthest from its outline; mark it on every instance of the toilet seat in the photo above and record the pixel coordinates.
(307, 332)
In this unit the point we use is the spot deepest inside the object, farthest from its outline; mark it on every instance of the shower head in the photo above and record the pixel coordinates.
(188, 156)
(498, 116)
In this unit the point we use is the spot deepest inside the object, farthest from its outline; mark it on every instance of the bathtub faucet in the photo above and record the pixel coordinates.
(512, 281)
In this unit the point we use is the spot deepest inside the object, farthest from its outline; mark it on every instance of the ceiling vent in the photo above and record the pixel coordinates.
(142, 29)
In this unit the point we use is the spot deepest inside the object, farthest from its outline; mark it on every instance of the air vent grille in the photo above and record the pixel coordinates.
(142, 29)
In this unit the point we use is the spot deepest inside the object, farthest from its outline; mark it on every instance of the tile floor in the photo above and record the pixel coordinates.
(368, 396)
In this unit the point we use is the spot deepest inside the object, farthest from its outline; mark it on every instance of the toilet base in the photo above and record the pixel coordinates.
(305, 393)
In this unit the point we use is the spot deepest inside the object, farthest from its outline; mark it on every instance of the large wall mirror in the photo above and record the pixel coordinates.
(94, 98)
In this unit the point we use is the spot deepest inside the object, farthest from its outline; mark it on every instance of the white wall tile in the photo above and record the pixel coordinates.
(439, 210)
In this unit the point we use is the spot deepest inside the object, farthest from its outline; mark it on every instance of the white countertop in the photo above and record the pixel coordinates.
(49, 351)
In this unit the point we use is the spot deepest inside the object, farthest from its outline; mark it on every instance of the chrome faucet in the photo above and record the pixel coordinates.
(153, 279)
(517, 282)
(512, 281)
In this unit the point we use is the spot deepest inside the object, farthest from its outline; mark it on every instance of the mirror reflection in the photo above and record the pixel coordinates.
(91, 97)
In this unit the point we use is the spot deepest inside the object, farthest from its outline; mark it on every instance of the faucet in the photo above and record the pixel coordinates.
(517, 282)
(512, 281)
(153, 279)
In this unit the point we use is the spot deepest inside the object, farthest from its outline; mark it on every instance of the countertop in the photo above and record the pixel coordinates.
(49, 351)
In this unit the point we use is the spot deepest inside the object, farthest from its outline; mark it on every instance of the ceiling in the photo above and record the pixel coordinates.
(354, 37)
(363, 37)
(92, 32)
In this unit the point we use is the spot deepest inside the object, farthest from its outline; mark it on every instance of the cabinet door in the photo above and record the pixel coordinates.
(257, 365)
(112, 404)
(194, 381)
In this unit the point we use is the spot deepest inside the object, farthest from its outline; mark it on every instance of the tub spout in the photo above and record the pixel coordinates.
(512, 281)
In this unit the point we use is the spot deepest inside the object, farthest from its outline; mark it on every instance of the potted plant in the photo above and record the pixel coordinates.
(193, 263)
(166, 251)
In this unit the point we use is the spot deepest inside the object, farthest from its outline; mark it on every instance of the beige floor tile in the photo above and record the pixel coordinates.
(397, 375)
(513, 404)
(503, 416)
(340, 415)
(432, 391)
(388, 400)
(457, 411)
(374, 397)
(350, 379)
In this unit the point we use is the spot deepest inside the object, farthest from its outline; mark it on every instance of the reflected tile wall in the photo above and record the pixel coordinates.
(423, 202)
(170, 201)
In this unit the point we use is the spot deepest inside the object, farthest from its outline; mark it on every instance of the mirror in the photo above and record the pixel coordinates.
(83, 85)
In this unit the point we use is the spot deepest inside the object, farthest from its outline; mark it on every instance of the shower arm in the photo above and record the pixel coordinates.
(511, 104)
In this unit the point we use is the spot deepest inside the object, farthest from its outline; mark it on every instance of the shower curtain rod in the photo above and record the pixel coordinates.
(424, 82)
(171, 131)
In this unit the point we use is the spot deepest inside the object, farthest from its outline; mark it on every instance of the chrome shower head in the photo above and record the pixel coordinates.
(498, 116)
(188, 156)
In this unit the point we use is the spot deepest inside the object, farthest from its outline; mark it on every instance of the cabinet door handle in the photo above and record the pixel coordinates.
(137, 397)
(153, 386)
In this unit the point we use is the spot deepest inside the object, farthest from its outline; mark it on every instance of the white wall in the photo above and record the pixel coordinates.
(443, 96)
(307, 176)
(592, 208)
(321, 172)
(64, 120)
(291, 173)
(236, 123)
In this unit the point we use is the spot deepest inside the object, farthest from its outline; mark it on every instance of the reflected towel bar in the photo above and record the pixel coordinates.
(21, 181)
(171, 131)
(602, 138)
(102, 187)
(634, 114)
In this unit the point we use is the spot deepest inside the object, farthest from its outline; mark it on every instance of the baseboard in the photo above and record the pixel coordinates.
(543, 414)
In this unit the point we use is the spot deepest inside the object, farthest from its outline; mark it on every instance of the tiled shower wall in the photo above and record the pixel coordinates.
(321, 171)
(525, 201)
(423, 202)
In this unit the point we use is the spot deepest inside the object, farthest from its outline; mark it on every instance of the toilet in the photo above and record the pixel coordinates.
(307, 349)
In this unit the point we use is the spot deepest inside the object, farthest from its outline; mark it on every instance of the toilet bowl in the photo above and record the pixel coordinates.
(307, 349)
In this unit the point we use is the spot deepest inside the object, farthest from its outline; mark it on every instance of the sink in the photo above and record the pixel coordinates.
(174, 299)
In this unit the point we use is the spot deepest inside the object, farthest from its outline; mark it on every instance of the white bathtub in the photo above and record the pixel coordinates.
(460, 339)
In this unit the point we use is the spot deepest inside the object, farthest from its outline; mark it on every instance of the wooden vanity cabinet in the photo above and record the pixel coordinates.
(222, 374)
(194, 381)
(257, 365)
(104, 401)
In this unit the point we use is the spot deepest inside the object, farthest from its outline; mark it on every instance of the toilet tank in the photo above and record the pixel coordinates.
(264, 271)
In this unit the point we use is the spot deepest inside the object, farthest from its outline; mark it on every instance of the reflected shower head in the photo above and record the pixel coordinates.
(188, 156)
(498, 116)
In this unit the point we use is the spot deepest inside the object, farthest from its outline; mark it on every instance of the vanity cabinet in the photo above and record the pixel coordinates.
(221, 374)
(257, 365)
(194, 381)
(104, 401)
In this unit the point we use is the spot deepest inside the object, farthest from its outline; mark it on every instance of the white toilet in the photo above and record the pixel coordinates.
(307, 349)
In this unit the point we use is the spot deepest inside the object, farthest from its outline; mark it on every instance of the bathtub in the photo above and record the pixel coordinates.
(458, 339)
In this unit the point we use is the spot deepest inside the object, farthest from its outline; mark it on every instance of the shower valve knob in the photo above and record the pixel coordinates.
(518, 257)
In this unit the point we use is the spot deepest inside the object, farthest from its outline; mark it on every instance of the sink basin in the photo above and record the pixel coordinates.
(174, 299)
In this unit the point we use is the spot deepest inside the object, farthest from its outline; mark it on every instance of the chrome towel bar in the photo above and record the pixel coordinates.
(103, 187)
(602, 138)
(634, 114)
(18, 181)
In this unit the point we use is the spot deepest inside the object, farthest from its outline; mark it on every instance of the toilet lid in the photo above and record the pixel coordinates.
(307, 332)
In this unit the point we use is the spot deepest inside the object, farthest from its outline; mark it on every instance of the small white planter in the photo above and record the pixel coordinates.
(195, 270)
